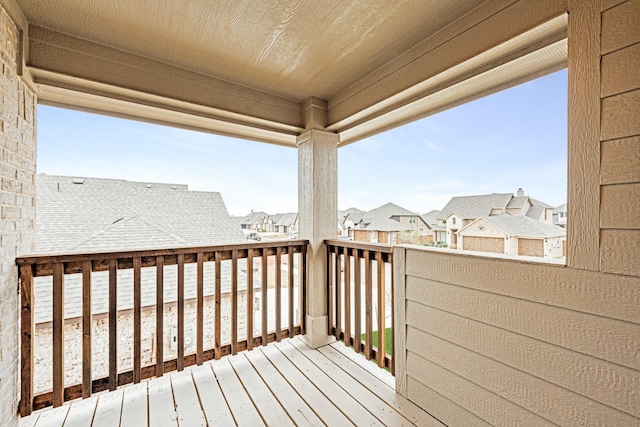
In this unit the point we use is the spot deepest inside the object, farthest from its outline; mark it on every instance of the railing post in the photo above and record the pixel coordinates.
(27, 333)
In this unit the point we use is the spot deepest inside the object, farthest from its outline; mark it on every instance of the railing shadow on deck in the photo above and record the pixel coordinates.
(359, 287)
(58, 267)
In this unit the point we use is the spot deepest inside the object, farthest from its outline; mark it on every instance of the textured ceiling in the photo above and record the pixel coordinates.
(293, 49)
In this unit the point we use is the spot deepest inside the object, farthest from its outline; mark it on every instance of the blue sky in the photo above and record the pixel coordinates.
(514, 138)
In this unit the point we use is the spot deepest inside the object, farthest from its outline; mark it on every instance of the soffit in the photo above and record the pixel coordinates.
(292, 49)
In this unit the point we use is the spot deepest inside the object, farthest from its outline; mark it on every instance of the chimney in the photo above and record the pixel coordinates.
(520, 192)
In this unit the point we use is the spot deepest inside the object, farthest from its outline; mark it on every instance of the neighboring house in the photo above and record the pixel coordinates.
(461, 211)
(560, 216)
(392, 224)
(256, 221)
(278, 223)
(439, 231)
(347, 219)
(91, 214)
(285, 222)
(513, 235)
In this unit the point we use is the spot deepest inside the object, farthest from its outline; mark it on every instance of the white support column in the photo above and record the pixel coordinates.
(318, 207)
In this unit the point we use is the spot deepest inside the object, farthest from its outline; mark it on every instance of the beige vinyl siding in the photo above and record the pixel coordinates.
(545, 334)
(620, 136)
(537, 343)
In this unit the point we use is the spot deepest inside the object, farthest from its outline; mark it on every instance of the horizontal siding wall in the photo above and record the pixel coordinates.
(494, 341)
(620, 139)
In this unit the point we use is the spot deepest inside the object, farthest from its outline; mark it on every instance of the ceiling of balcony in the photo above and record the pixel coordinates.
(295, 49)
(254, 63)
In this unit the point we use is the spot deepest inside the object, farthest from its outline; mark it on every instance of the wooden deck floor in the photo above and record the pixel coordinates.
(281, 384)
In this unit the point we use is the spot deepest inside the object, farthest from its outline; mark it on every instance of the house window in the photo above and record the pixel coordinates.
(453, 221)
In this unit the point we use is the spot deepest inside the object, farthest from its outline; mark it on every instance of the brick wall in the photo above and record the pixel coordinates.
(100, 339)
(17, 206)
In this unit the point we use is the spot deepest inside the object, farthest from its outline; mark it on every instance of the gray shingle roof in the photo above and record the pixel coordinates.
(431, 217)
(523, 226)
(379, 219)
(107, 214)
(110, 214)
(254, 217)
(561, 208)
(472, 207)
(286, 219)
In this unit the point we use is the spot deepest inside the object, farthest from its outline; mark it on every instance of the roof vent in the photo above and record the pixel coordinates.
(174, 187)
(78, 180)
(148, 185)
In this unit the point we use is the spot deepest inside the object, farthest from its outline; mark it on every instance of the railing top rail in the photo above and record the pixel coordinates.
(108, 255)
(376, 247)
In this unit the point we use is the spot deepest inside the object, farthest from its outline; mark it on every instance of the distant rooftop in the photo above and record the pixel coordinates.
(88, 214)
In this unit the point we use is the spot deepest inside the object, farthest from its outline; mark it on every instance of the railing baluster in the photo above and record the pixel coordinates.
(27, 335)
(234, 302)
(86, 329)
(368, 304)
(180, 361)
(200, 308)
(56, 266)
(302, 261)
(278, 293)
(58, 334)
(347, 297)
(290, 286)
(159, 316)
(218, 314)
(338, 291)
(137, 320)
(330, 291)
(381, 311)
(357, 306)
(264, 267)
(113, 324)
(249, 299)
(393, 319)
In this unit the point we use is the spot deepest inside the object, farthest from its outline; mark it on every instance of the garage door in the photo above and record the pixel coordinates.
(361, 235)
(531, 247)
(483, 244)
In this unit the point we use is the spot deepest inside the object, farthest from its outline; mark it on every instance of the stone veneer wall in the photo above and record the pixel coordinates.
(17, 206)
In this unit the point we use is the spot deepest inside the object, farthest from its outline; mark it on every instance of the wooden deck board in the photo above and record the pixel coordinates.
(186, 397)
(400, 404)
(286, 383)
(81, 412)
(212, 400)
(109, 409)
(291, 401)
(269, 407)
(329, 414)
(54, 417)
(340, 398)
(135, 406)
(242, 408)
(162, 412)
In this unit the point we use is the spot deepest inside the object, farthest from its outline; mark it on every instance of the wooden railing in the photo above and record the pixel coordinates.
(360, 286)
(58, 268)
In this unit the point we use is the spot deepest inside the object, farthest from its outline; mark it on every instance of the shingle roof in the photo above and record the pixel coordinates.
(472, 207)
(286, 219)
(379, 219)
(431, 217)
(253, 217)
(561, 208)
(110, 214)
(522, 226)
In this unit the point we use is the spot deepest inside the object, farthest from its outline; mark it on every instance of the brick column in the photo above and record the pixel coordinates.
(17, 207)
